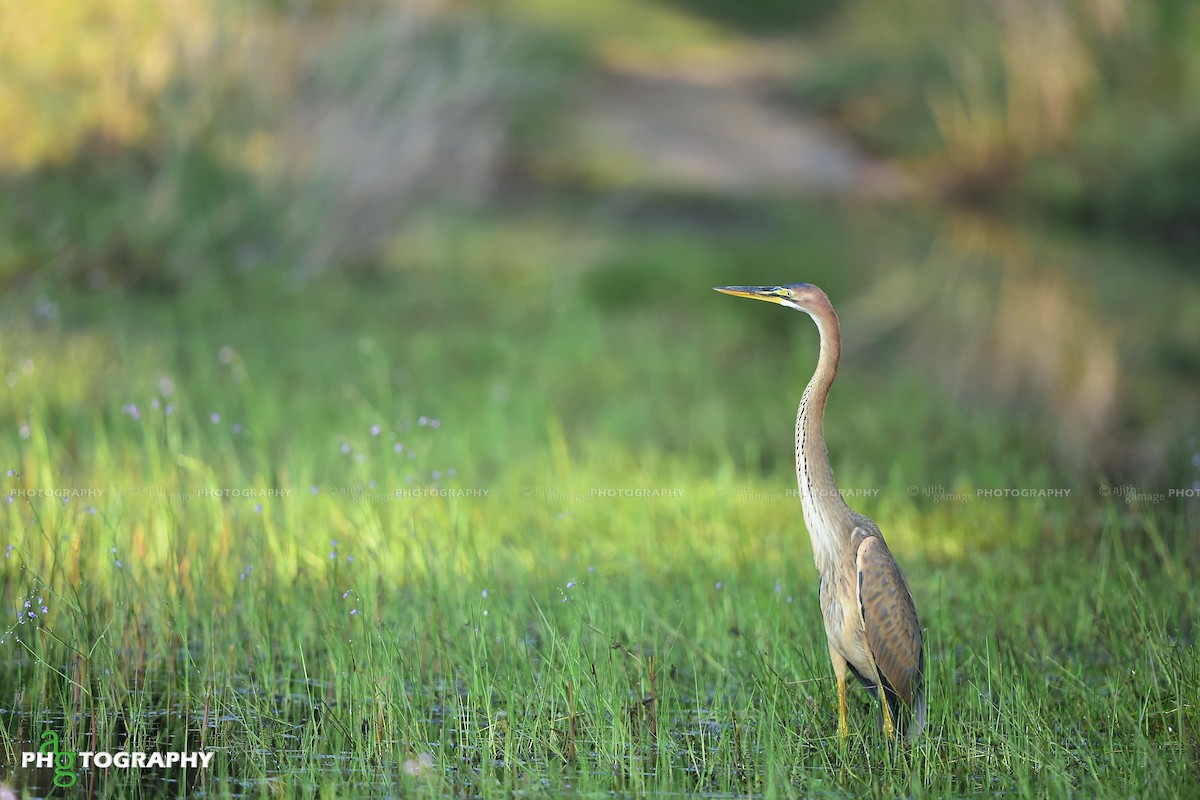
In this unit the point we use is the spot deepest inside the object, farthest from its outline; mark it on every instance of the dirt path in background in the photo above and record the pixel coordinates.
(719, 129)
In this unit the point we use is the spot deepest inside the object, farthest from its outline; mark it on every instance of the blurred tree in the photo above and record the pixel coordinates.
(72, 69)
(149, 143)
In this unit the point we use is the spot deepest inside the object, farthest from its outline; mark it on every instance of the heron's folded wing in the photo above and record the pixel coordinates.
(890, 620)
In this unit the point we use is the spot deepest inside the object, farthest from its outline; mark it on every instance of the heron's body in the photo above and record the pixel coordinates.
(871, 622)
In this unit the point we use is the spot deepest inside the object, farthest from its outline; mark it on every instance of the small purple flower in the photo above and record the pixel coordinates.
(132, 411)
(8, 552)
(423, 421)
(570, 584)
(375, 430)
(452, 472)
(435, 423)
(215, 418)
(437, 473)
(353, 612)
(719, 585)
(314, 490)
(345, 594)
(397, 448)
(591, 570)
(170, 409)
(91, 509)
(484, 591)
(258, 508)
(237, 428)
(155, 404)
(346, 447)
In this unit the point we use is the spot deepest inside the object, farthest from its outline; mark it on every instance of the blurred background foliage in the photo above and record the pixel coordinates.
(153, 142)
(1085, 111)
(229, 132)
(1044, 153)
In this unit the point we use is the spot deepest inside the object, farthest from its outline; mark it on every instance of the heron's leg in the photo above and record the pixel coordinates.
(843, 725)
(889, 729)
(839, 670)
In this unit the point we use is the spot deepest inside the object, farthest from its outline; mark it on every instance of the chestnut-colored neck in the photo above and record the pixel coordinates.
(825, 510)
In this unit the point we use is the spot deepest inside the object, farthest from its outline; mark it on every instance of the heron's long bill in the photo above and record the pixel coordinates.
(772, 294)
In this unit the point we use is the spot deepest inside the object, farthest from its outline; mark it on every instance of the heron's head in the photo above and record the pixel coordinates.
(801, 296)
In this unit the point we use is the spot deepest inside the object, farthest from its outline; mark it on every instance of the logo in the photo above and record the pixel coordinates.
(48, 756)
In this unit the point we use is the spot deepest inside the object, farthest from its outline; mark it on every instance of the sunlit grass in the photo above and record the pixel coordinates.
(443, 537)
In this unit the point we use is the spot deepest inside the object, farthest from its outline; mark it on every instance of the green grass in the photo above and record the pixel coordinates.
(550, 638)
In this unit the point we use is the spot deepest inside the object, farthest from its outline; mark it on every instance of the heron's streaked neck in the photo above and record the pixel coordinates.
(818, 491)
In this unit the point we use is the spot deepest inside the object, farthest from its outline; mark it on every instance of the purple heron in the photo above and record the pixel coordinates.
(871, 623)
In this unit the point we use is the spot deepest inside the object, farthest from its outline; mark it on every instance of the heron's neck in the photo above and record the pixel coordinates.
(822, 500)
